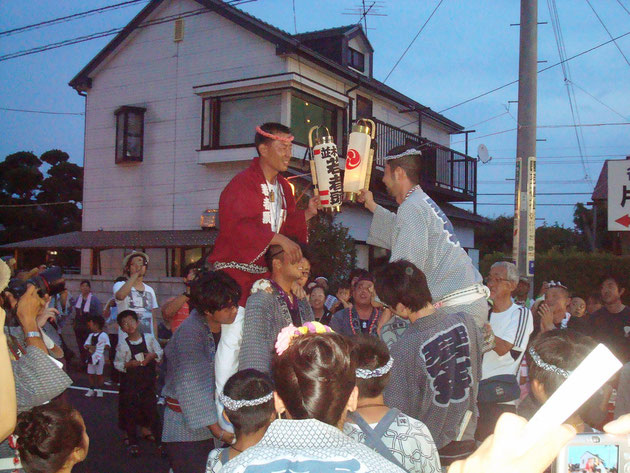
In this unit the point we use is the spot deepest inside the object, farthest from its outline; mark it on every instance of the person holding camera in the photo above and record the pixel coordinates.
(38, 377)
(135, 294)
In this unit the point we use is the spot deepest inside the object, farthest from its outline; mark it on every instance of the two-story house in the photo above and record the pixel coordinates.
(170, 109)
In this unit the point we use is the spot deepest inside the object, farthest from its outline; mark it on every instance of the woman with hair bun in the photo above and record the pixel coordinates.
(315, 379)
(51, 439)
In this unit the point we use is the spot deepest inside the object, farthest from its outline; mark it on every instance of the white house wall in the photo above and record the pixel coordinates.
(168, 190)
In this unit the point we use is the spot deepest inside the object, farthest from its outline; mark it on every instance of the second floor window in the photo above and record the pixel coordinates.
(356, 60)
(129, 133)
(229, 121)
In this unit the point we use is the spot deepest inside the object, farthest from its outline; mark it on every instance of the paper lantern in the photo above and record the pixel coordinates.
(359, 159)
(325, 170)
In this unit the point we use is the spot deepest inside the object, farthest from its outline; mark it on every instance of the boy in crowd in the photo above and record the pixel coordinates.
(401, 439)
(97, 346)
(136, 358)
(249, 406)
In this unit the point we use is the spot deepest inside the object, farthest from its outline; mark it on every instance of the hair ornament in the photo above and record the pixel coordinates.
(409, 271)
(546, 366)
(236, 404)
(271, 136)
(287, 334)
(409, 152)
(375, 373)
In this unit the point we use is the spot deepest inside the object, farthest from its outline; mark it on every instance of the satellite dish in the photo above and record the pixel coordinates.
(482, 154)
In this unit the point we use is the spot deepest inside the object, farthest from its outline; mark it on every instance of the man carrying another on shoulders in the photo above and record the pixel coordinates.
(256, 209)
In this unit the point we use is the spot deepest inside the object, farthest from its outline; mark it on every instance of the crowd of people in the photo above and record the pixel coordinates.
(421, 365)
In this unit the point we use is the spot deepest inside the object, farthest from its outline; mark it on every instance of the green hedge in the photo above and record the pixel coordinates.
(579, 271)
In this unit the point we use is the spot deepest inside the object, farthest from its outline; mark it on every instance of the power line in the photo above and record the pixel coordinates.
(413, 40)
(600, 102)
(82, 39)
(541, 70)
(622, 6)
(583, 125)
(64, 19)
(39, 111)
(608, 31)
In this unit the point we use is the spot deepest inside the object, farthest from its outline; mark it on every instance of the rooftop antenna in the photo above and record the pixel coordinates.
(365, 9)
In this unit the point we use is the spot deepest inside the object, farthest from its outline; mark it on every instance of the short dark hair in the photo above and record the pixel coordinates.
(98, 320)
(317, 286)
(47, 436)
(357, 273)
(273, 252)
(270, 127)
(372, 353)
(620, 281)
(126, 313)
(190, 267)
(596, 296)
(212, 291)
(410, 163)
(244, 385)
(315, 376)
(85, 281)
(402, 282)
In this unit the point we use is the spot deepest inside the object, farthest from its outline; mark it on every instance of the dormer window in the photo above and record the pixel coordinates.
(356, 60)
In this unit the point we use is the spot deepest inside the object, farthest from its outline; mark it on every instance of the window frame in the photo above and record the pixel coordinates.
(215, 111)
(353, 58)
(122, 113)
(323, 104)
(215, 124)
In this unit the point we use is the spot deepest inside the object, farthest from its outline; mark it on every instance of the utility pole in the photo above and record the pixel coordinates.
(525, 191)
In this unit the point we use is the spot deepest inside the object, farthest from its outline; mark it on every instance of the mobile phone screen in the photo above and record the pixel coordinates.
(593, 459)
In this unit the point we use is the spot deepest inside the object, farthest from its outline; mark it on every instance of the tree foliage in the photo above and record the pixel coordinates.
(332, 251)
(22, 182)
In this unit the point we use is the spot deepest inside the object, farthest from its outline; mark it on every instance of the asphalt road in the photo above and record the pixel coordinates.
(107, 452)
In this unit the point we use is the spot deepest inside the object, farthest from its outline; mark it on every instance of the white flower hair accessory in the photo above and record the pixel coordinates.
(375, 373)
(236, 404)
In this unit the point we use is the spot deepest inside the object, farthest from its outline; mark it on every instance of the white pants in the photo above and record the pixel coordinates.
(226, 360)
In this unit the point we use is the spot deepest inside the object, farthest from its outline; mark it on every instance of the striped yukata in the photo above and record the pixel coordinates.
(422, 234)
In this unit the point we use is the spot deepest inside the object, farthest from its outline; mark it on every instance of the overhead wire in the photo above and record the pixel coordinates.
(413, 40)
(623, 6)
(40, 111)
(608, 32)
(516, 81)
(600, 102)
(113, 31)
(65, 19)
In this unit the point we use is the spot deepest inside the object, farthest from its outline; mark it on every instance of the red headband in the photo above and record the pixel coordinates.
(262, 132)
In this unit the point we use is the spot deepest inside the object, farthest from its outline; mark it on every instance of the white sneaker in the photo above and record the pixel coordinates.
(99, 393)
(89, 393)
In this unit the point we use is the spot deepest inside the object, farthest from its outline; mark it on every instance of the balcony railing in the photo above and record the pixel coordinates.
(445, 170)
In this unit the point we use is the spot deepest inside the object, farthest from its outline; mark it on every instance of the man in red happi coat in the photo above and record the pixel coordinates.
(256, 209)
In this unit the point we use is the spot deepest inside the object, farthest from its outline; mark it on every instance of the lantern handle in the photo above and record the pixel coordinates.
(371, 126)
(310, 136)
(310, 133)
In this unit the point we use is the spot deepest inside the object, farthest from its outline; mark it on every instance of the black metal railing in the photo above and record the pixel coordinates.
(445, 168)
